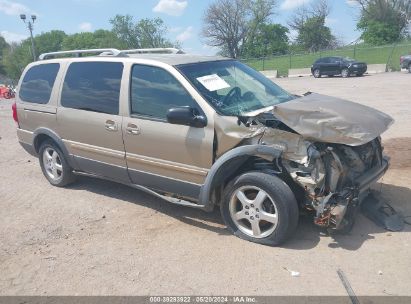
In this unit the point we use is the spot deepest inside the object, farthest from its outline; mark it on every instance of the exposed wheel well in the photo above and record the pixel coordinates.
(39, 139)
(253, 163)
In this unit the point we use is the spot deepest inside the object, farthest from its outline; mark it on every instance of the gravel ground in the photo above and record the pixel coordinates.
(102, 238)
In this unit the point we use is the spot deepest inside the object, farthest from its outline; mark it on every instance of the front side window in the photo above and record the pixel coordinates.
(335, 60)
(93, 86)
(232, 88)
(154, 91)
(38, 83)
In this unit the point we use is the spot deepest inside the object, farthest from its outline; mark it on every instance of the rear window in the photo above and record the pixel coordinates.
(93, 86)
(38, 83)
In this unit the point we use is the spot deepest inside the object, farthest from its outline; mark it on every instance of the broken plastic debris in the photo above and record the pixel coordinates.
(380, 272)
(293, 273)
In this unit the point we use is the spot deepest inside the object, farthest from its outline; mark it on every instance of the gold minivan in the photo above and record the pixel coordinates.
(202, 132)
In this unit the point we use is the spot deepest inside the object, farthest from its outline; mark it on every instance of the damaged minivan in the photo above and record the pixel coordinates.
(202, 132)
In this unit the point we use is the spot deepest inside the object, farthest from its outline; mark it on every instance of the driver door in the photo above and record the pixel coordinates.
(163, 156)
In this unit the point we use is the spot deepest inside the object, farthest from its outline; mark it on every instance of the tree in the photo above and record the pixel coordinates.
(3, 46)
(309, 23)
(231, 24)
(49, 42)
(384, 21)
(146, 33)
(269, 39)
(92, 40)
(17, 56)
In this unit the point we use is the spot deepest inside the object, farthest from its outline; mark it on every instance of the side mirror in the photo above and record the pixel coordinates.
(186, 116)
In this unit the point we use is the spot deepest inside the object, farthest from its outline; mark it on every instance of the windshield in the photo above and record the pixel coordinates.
(232, 88)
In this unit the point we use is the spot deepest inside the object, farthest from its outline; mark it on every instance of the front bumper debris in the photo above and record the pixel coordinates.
(382, 213)
(343, 206)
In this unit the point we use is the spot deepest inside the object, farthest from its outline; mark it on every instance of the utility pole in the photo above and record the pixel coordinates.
(29, 24)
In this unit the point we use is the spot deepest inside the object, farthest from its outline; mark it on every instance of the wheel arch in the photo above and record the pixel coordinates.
(42, 134)
(229, 165)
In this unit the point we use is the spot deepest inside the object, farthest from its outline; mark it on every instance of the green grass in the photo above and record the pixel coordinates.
(370, 55)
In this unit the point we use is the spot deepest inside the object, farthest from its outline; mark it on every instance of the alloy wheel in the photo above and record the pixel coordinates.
(52, 164)
(253, 211)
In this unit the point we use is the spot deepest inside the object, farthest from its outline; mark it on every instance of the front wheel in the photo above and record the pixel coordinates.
(260, 208)
(317, 73)
(345, 73)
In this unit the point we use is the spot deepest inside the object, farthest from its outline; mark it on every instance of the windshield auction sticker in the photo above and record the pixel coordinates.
(213, 82)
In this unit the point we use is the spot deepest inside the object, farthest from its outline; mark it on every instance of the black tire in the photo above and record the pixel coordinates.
(409, 68)
(345, 73)
(282, 197)
(317, 73)
(66, 175)
(360, 74)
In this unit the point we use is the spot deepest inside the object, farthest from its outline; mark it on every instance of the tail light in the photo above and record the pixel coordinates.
(15, 116)
(401, 59)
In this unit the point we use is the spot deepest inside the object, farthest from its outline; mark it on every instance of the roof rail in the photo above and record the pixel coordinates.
(78, 53)
(154, 51)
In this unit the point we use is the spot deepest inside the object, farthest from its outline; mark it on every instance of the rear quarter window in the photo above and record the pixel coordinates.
(38, 83)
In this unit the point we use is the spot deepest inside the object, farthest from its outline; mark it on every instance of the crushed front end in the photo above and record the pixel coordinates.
(336, 178)
(331, 151)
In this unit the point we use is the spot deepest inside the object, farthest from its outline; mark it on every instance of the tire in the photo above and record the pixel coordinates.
(262, 197)
(360, 74)
(317, 73)
(409, 68)
(54, 165)
(345, 73)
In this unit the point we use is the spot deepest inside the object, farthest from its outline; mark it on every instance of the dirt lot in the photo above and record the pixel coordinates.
(101, 238)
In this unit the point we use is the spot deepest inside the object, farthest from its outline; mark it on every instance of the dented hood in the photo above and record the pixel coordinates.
(328, 119)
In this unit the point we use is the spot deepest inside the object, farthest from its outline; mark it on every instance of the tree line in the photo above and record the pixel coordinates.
(243, 28)
(237, 28)
(126, 33)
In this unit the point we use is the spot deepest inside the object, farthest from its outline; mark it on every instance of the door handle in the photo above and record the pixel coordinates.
(111, 126)
(132, 129)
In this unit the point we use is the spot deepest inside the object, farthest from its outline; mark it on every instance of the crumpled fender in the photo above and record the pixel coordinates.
(227, 163)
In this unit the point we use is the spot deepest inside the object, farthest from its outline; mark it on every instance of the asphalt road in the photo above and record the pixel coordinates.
(102, 238)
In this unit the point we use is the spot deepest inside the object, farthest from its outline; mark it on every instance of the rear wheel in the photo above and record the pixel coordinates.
(317, 73)
(409, 68)
(345, 73)
(360, 74)
(54, 165)
(260, 208)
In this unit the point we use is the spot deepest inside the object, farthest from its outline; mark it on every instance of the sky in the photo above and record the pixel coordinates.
(182, 17)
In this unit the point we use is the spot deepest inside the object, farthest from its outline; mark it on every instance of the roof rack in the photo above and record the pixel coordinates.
(78, 53)
(154, 51)
(112, 52)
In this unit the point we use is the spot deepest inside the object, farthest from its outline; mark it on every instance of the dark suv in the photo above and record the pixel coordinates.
(338, 66)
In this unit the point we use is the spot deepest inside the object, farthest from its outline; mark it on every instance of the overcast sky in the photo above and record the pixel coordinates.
(183, 17)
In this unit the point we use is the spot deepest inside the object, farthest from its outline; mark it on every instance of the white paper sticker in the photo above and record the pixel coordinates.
(213, 82)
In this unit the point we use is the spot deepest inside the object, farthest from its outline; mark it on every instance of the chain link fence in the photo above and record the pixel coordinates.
(388, 54)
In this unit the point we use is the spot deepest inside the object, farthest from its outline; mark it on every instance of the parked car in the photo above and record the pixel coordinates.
(332, 66)
(201, 132)
(405, 62)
